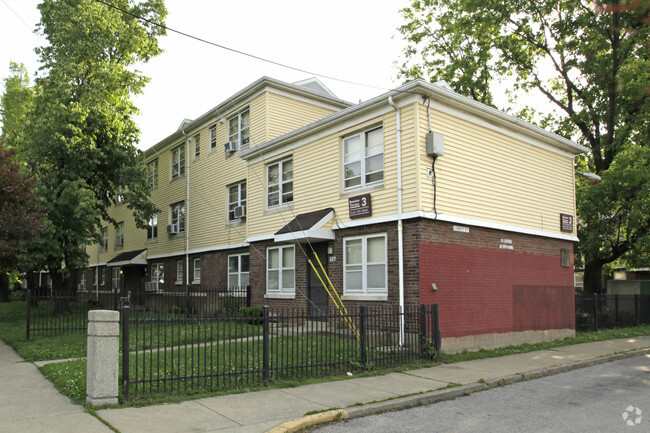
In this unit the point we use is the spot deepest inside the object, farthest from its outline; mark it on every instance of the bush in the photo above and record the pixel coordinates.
(254, 314)
(606, 319)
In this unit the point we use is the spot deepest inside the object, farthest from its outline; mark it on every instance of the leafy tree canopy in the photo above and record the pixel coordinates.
(15, 102)
(591, 61)
(80, 138)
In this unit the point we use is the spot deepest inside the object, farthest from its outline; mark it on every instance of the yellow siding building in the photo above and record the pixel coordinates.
(417, 196)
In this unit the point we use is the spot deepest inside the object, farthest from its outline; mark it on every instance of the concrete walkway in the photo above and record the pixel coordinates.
(28, 403)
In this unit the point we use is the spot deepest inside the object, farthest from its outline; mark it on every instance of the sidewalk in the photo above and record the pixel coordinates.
(23, 389)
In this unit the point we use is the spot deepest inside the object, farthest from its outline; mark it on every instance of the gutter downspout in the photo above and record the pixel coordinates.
(400, 228)
(187, 209)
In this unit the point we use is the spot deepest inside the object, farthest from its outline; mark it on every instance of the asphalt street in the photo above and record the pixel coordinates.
(610, 397)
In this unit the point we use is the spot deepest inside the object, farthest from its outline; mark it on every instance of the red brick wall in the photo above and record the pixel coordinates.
(482, 288)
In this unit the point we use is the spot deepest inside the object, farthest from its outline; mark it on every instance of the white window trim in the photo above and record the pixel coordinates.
(178, 156)
(160, 275)
(177, 206)
(240, 201)
(280, 184)
(213, 137)
(115, 271)
(152, 173)
(239, 268)
(363, 185)
(179, 271)
(238, 134)
(152, 225)
(194, 269)
(281, 292)
(365, 293)
(197, 145)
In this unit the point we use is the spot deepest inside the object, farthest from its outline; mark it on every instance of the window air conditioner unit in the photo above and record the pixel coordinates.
(240, 212)
(172, 229)
(119, 241)
(231, 146)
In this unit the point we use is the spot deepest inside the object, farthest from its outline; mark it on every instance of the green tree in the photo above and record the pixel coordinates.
(591, 62)
(80, 137)
(21, 218)
(15, 102)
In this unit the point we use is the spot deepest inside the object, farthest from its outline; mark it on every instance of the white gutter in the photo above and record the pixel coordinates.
(187, 208)
(400, 228)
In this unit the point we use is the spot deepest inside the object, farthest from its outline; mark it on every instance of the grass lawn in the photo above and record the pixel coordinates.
(216, 365)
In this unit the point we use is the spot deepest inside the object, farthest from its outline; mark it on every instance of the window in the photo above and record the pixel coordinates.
(115, 273)
(152, 173)
(179, 272)
(363, 159)
(565, 258)
(197, 145)
(197, 271)
(213, 137)
(238, 270)
(280, 183)
(103, 274)
(238, 128)
(158, 273)
(152, 227)
(280, 270)
(82, 281)
(178, 216)
(178, 161)
(236, 198)
(120, 195)
(104, 242)
(119, 235)
(365, 265)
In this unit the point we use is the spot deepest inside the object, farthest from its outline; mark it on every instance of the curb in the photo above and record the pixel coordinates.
(315, 419)
(431, 397)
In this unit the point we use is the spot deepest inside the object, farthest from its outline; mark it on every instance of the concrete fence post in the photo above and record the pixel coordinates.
(103, 357)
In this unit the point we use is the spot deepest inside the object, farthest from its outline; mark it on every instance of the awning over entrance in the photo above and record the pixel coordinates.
(138, 257)
(306, 227)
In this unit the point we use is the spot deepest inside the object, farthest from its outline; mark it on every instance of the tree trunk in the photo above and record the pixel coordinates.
(4, 287)
(592, 282)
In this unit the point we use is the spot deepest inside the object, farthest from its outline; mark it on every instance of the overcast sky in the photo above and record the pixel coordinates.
(354, 40)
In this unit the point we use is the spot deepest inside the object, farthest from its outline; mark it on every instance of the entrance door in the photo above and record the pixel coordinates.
(318, 297)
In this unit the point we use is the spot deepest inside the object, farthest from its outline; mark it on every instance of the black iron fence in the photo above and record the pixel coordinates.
(594, 312)
(174, 353)
(55, 313)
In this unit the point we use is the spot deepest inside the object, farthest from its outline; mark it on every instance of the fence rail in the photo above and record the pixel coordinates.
(167, 354)
(594, 312)
(59, 313)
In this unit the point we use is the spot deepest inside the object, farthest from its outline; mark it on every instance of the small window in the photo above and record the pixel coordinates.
(365, 265)
(280, 183)
(565, 258)
(363, 159)
(197, 271)
(82, 281)
(104, 242)
(152, 173)
(158, 273)
(177, 212)
(238, 128)
(179, 272)
(115, 274)
(238, 270)
(103, 277)
(213, 137)
(197, 145)
(119, 235)
(236, 199)
(178, 161)
(280, 270)
(120, 195)
(152, 227)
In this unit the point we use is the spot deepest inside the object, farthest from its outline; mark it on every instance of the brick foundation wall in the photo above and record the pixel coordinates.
(483, 288)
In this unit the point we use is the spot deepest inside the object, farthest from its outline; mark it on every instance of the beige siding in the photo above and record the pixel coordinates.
(286, 114)
(488, 176)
